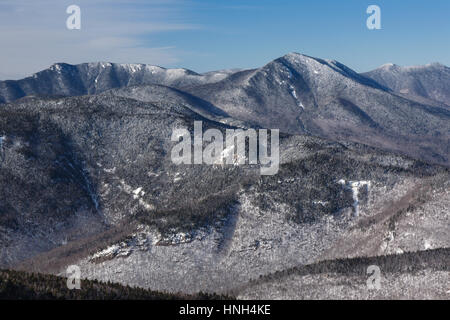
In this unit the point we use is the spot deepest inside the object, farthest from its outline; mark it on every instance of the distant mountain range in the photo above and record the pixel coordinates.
(430, 82)
(63, 79)
(399, 109)
(86, 176)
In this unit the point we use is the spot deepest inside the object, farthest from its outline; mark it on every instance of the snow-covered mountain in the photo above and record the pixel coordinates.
(301, 94)
(429, 82)
(89, 179)
(91, 78)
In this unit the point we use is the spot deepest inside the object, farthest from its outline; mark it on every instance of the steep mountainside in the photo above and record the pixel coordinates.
(89, 180)
(118, 207)
(300, 94)
(422, 82)
(280, 223)
(53, 153)
(168, 95)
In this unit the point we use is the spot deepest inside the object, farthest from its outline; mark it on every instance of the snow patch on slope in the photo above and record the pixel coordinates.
(294, 95)
(2, 139)
(354, 187)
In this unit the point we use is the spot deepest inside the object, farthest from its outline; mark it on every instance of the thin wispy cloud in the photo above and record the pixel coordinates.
(205, 35)
(33, 34)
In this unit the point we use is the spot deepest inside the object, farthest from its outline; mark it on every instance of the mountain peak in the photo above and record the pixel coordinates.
(429, 82)
(389, 65)
(392, 66)
(295, 54)
(59, 66)
(299, 57)
(433, 65)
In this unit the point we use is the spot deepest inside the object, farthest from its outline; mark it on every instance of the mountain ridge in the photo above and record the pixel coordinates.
(96, 77)
(296, 93)
(89, 180)
(424, 83)
(18, 89)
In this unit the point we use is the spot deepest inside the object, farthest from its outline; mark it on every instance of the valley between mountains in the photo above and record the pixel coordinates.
(87, 179)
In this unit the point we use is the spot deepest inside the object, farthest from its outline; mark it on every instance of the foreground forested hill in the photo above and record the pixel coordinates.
(30, 286)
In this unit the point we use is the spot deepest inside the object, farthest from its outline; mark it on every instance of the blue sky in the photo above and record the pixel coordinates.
(207, 35)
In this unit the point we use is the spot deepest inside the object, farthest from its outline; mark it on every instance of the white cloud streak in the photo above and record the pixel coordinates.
(33, 34)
